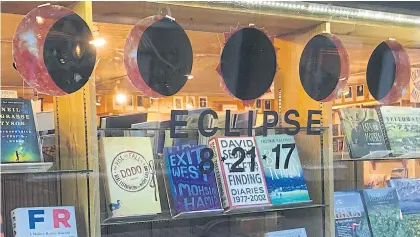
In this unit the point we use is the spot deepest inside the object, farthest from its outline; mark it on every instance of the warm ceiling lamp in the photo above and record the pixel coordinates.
(121, 98)
(99, 42)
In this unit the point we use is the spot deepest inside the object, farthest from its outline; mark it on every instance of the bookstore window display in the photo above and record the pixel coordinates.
(208, 119)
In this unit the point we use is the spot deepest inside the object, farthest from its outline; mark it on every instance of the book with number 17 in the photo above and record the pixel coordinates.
(282, 169)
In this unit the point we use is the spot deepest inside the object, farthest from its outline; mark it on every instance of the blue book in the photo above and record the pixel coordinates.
(285, 182)
(190, 190)
(408, 191)
(384, 211)
(19, 138)
(350, 216)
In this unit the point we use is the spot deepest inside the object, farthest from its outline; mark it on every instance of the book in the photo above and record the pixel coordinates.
(384, 212)
(408, 191)
(189, 188)
(239, 172)
(119, 123)
(350, 216)
(402, 126)
(399, 173)
(375, 181)
(155, 130)
(44, 221)
(362, 131)
(191, 128)
(130, 177)
(284, 176)
(299, 232)
(19, 137)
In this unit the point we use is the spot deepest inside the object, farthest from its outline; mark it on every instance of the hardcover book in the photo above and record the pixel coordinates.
(282, 169)
(44, 221)
(402, 127)
(190, 189)
(350, 216)
(130, 176)
(300, 232)
(239, 172)
(408, 191)
(19, 137)
(384, 211)
(362, 131)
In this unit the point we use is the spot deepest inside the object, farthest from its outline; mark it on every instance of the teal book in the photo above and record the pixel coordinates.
(282, 169)
(19, 138)
(350, 216)
(384, 211)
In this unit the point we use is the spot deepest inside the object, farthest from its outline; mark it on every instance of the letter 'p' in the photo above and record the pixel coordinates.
(61, 216)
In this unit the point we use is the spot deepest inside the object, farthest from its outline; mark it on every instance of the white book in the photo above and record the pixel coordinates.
(44, 221)
(300, 232)
(131, 187)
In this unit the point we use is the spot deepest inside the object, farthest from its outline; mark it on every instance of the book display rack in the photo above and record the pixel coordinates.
(202, 119)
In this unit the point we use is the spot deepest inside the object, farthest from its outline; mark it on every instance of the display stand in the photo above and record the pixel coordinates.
(22, 168)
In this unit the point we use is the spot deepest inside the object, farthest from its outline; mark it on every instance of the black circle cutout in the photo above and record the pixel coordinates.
(320, 67)
(165, 57)
(381, 70)
(68, 56)
(248, 63)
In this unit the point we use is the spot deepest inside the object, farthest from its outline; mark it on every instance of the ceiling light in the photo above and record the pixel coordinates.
(99, 42)
(121, 98)
(190, 77)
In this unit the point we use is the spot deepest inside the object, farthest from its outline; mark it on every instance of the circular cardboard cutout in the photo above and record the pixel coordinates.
(248, 63)
(158, 56)
(51, 50)
(324, 67)
(388, 72)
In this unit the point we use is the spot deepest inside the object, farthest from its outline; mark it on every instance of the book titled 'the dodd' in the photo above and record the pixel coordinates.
(44, 221)
(130, 178)
(19, 139)
(239, 172)
(284, 176)
(362, 130)
(190, 189)
(350, 216)
(384, 211)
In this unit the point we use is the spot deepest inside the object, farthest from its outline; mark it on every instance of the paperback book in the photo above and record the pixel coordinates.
(19, 137)
(408, 191)
(350, 216)
(362, 131)
(44, 221)
(239, 172)
(130, 176)
(384, 211)
(300, 232)
(282, 169)
(190, 190)
(402, 126)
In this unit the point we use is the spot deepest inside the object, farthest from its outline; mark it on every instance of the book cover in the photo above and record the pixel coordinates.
(239, 172)
(284, 176)
(408, 191)
(402, 125)
(190, 189)
(384, 212)
(362, 131)
(130, 177)
(350, 216)
(299, 232)
(192, 127)
(19, 137)
(44, 221)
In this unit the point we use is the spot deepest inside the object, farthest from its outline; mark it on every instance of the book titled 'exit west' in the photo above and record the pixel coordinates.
(44, 221)
(239, 172)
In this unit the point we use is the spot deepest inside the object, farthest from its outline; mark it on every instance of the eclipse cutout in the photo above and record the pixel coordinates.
(158, 56)
(51, 50)
(248, 63)
(388, 72)
(324, 67)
